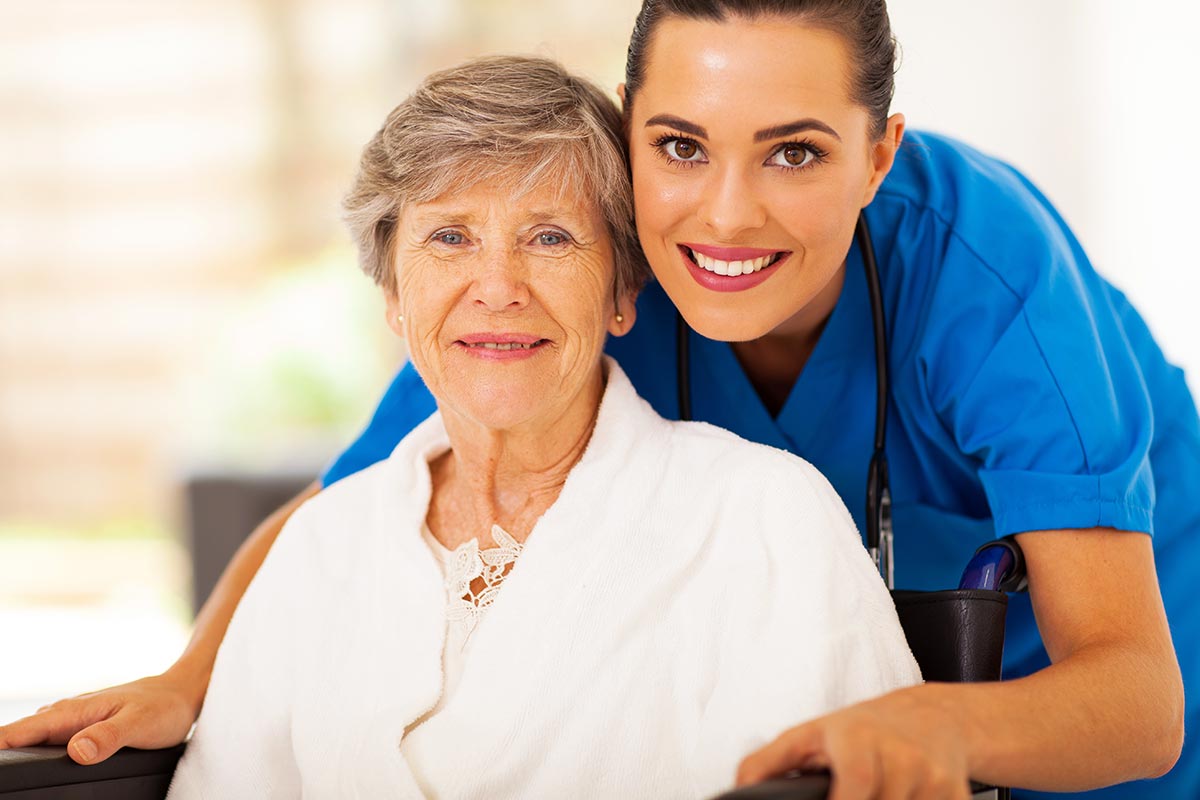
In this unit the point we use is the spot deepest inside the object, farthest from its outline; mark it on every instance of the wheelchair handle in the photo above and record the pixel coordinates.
(997, 566)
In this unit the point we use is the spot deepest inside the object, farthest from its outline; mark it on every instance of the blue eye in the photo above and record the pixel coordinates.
(552, 238)
(449, 237)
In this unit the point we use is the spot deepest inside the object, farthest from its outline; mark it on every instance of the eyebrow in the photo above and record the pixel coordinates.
(774, 132)
(672, 121)
(791, 128)
(553, 216)
(538, 216)
(449, 216)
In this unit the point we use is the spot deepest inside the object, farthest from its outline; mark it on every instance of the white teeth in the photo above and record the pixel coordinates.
(502, 346)
(732, 268)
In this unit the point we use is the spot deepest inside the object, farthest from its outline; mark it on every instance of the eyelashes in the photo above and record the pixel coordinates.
(550, 238)
(785, 154)
(679, 149)
(683, 152)
(666, 147)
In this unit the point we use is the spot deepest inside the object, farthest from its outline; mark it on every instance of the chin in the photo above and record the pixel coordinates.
(724, 324)
(499, 407)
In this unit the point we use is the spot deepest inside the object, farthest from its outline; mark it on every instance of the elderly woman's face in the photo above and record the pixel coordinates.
(505, 301)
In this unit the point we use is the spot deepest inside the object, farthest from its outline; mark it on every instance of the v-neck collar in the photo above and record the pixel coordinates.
(812, 399)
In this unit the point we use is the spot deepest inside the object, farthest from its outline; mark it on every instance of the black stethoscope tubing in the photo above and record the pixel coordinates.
(879, 503)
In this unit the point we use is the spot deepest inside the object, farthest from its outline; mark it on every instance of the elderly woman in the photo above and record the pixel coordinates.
(547, 590)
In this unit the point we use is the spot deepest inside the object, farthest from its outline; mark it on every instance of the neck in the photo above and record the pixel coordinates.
(773, 362)
(507, 477)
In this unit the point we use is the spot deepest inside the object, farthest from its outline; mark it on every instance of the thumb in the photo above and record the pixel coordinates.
(97, 742)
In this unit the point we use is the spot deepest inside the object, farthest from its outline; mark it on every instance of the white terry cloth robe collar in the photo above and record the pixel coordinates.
(686, 598)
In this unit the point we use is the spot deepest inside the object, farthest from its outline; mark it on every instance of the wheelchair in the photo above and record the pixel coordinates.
(956, 635)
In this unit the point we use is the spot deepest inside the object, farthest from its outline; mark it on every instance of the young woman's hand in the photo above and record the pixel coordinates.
(149, 713)
(1108, 709)
(903, 745)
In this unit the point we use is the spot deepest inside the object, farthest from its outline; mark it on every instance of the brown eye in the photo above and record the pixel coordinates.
(681, 150)
(794, 156)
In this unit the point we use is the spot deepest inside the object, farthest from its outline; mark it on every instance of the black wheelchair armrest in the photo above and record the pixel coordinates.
(806, 786)
(48, 773)
(815, 786)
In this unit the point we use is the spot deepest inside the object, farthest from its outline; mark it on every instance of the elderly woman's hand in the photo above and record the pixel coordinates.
(901, 745)
(149, 713)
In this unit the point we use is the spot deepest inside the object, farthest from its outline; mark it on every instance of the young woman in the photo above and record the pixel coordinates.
(1028, 398)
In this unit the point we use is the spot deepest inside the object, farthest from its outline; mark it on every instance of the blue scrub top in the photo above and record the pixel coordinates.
(1027, 394)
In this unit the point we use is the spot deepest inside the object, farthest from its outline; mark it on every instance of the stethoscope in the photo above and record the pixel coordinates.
(879, 537)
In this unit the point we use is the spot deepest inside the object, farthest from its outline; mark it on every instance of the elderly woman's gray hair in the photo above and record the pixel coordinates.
(514, 121)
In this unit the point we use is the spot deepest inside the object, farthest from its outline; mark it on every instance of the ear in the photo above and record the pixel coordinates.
(392, 313)
(624, 111)
(627, 308)
(883, 155)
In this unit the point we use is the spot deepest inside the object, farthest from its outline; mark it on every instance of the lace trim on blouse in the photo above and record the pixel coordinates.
(474, 576)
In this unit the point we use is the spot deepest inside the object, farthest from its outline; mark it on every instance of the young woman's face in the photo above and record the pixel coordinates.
(750, 165)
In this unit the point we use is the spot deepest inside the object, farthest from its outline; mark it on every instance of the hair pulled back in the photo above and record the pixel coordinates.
(862, 24)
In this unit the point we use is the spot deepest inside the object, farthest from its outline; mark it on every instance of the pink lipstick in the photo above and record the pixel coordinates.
(730, 269)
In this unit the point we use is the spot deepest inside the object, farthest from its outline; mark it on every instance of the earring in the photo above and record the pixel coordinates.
(620, 317)
(400, 318)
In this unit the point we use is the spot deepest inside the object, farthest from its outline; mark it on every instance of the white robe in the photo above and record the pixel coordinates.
(688, 597)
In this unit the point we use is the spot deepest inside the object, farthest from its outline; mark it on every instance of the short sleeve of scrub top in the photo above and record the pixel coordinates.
(1015, 346)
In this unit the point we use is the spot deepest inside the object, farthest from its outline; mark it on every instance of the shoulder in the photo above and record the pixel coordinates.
(976, 263)
(349, 500)
(709, 443)
(770, 497)
(349, 523)
(947, 203)
(404, 405)
(953, 181)
(777, 534)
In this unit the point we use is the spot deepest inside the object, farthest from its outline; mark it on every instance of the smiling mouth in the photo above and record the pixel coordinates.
(503, 345)
(731, 269)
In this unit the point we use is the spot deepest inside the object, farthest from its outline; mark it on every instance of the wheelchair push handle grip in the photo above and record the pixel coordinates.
(997, 566)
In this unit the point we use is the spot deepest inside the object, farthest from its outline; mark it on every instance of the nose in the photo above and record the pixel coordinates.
(731, 204)
(501, 283)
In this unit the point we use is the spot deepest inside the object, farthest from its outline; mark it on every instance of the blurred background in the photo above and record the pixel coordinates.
(179, 304)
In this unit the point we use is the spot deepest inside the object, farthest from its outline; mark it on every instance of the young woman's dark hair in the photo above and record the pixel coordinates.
(863, 24)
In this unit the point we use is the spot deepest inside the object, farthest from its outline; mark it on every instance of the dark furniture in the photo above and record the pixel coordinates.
(222, 509)
(48, 773)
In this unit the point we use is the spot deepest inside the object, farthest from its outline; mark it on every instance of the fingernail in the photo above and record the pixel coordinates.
(85, 749)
